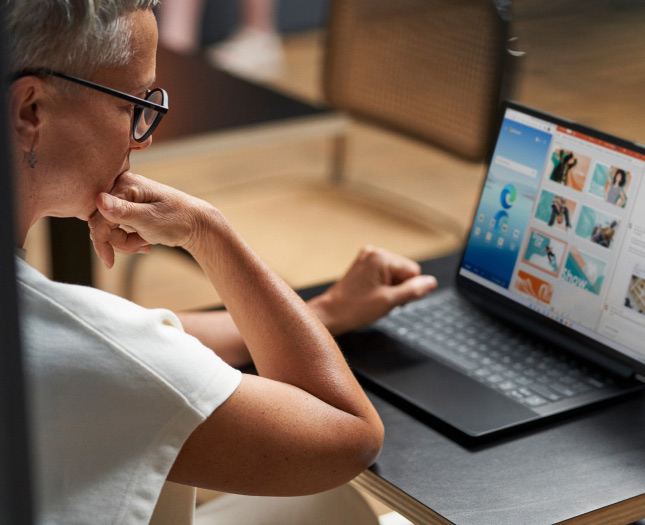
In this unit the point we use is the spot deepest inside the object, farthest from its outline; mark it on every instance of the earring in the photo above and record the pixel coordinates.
(30, 158)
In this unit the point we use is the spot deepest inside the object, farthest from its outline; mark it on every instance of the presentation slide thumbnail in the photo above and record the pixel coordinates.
(597, 227)
(635, 298)
(545, 252)
(569, 168)
(533, 287)
(584, 271)
(555, 210)
(611, 184)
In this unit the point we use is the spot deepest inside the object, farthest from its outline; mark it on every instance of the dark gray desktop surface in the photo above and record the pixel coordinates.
(558, 472)
(554, 472)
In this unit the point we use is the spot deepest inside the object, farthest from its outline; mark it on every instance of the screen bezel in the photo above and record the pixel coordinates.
(520, 315)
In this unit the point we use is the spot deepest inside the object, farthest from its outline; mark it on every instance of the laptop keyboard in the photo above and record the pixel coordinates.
(455, 332)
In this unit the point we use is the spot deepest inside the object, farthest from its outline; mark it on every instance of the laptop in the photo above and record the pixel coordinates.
(547, 311)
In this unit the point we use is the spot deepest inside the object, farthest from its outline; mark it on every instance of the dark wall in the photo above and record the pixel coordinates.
(221, 16)
(15, 498)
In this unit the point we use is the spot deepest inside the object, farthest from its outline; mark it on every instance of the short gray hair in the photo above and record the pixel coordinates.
(72, 36)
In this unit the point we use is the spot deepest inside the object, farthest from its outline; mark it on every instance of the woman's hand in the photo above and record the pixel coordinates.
(376, 282)
(138, 213)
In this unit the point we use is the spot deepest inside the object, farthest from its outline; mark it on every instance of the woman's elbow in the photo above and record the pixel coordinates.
(366, 446)
(374, 442)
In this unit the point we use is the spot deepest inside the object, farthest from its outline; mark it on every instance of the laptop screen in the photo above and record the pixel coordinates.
(560, 228)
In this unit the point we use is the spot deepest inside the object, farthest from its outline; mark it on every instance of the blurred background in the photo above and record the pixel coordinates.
(581, 59)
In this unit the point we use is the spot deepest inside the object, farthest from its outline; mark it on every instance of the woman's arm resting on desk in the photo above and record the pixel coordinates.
(305, 424)
(375, 283)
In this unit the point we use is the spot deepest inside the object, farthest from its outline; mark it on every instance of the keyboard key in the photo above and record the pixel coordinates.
(562, 389)
(516, 394)
(507, 385)
(545, 392)
(580, 387)
(595, 382)
(534, 401)
(453, 358)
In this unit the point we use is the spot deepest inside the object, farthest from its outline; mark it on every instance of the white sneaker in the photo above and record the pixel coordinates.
(252, 54)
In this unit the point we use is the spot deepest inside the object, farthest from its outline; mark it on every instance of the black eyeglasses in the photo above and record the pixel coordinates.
(148, 111)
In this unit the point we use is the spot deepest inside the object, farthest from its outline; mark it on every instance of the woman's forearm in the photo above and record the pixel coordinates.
(217, 331)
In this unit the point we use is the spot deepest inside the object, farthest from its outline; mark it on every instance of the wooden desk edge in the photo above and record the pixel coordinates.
(621, 513)
(398, 500)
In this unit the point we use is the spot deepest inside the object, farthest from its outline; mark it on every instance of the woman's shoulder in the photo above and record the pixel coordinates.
(67, 323)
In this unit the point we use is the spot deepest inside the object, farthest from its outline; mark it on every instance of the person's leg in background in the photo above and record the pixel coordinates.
(255, 49)
(180, 24)
(260, 15)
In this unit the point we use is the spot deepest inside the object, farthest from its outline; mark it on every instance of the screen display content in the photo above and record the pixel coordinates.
(560, 228)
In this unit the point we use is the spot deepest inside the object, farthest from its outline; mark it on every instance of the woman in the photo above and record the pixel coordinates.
(121, 398)
(563, 161)
(559, 211)
(615, 193)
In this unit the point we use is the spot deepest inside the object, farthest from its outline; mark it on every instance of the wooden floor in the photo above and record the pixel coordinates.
(584, 60)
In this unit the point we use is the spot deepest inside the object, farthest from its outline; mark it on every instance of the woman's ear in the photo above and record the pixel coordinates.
(26, 100)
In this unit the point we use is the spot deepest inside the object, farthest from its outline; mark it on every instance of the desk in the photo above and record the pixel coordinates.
(222, 111)
(587, 469)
